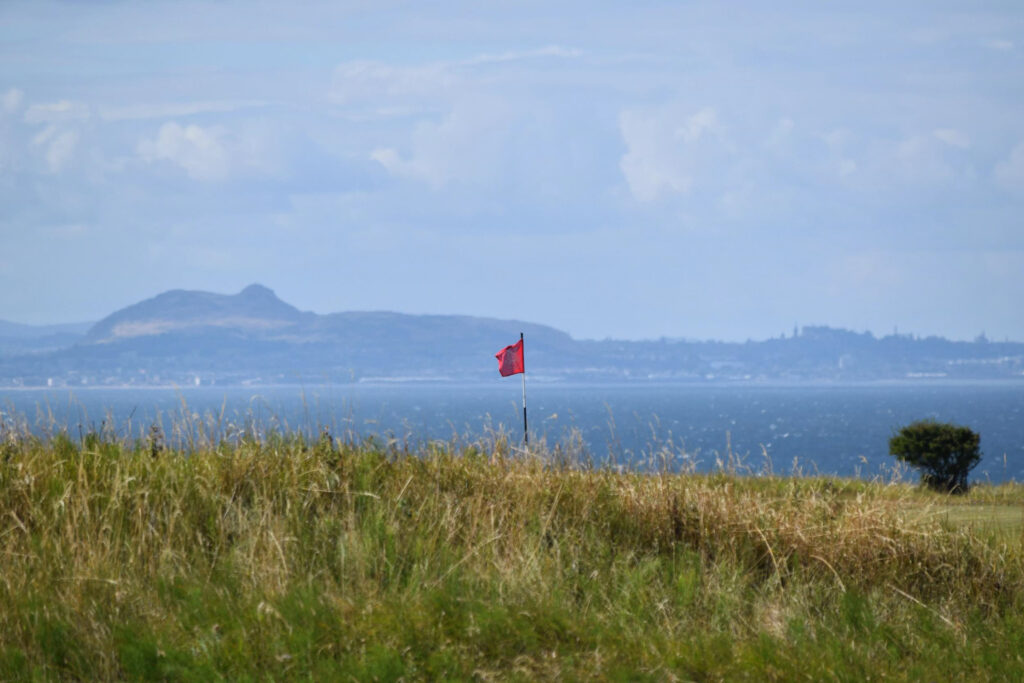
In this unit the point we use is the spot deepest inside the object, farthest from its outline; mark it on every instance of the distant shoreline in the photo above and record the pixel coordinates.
(457, 383)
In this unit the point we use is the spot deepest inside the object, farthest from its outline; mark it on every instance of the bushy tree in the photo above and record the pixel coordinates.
(943, 452)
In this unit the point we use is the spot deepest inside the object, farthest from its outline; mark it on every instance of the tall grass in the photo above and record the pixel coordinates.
(273, 556)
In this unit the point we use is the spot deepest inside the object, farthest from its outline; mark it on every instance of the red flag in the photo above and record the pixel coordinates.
(510, 359)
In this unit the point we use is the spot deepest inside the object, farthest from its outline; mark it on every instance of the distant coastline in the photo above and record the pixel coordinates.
(253, 338)
(560, 382)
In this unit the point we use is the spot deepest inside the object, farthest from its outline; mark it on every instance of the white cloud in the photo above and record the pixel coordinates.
(44, 135)
(386, 89)
(376, 84)
(214, 153)
(56, 112)
(12, 100)
(703, 121)
(58, 146)
(1000, 44)
(390, 159)
(846, 167)
(1009, 173)
(60, 150)
(474, 123)
(952, 137)
(921, 161)
(200, 151)
(837, 139)
(781, 133)
(142, 111)
(471, 144)
(840, 144)
(549, 51)
(667, 149)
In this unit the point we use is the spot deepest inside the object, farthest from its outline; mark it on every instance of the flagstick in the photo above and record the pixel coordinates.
(526, 434)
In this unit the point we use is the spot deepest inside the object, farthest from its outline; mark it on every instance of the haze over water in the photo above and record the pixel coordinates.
(827, 429)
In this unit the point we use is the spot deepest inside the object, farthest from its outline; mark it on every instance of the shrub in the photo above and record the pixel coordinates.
(944, 453)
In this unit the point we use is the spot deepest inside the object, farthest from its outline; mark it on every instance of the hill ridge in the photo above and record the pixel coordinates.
(186, 336)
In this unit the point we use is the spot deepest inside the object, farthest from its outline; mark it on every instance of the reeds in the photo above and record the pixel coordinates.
(271, 555)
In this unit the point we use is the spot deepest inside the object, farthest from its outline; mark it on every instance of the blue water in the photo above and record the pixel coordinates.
(840, 430)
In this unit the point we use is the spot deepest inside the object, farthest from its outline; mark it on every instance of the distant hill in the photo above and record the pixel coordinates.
(16, 338)
(253, 337)
(255, 310)
(9, 330)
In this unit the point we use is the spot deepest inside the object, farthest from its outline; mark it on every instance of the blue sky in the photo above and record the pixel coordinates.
(626, 170)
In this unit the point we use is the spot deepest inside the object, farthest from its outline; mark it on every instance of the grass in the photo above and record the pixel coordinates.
(283, 558)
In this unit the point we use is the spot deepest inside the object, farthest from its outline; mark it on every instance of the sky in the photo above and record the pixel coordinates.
(698, 170)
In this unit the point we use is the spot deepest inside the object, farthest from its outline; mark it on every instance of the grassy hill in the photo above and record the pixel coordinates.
(280, 559)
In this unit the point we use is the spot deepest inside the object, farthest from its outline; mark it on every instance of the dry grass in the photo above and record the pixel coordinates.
(279, 558)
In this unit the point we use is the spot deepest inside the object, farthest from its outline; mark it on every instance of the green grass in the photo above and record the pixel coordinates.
(999, 520)
(294, 560)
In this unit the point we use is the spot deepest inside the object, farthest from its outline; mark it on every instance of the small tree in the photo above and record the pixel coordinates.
(943, 452)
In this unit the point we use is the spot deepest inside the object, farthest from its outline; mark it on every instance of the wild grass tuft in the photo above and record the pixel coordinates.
(276, 556)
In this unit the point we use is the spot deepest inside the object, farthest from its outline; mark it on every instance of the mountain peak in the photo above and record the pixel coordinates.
(254, 310)
(257, 291)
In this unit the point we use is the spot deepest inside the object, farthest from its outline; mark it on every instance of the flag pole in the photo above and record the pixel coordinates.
(526, 434)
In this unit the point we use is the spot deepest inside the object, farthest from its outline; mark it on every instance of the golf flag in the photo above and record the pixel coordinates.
(511, 362)
(510, 359)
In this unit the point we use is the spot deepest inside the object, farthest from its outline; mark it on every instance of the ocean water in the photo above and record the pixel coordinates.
(828, 429)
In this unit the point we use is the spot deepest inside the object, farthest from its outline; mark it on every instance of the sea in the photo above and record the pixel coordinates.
(819, 429)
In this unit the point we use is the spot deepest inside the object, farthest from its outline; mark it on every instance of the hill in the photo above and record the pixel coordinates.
(253, 337)
(255, 310)
(16, 338)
